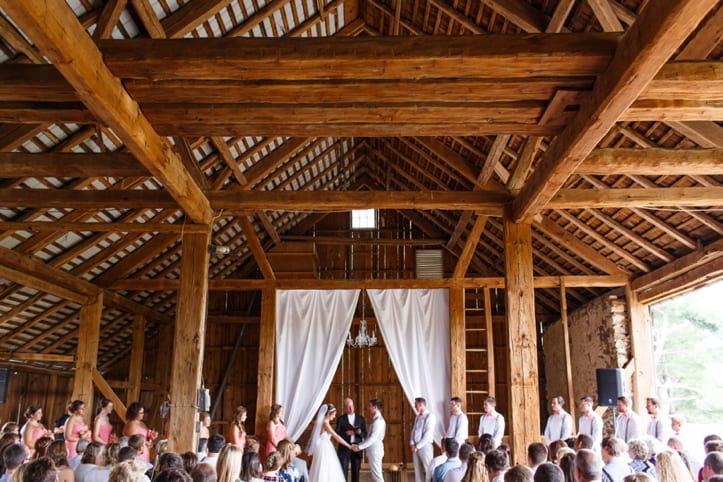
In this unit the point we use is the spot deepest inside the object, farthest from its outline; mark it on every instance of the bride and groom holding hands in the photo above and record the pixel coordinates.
(351, 435)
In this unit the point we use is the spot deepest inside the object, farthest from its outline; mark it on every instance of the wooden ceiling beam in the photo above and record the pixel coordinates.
(636, 197)
(652, 162)
(643, 50)
(695, 277)
(98, 227)
(86, 199)
(61, 164)
(55, 29)
(469, 247)
(522, 14)
(490, 56)
(699, 257)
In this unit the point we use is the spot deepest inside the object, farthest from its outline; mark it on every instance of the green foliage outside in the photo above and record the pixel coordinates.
(688, 353)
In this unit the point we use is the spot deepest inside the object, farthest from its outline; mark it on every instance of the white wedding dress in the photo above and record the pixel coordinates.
(325, 466)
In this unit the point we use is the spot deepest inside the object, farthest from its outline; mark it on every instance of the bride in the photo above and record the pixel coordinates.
(325, 467)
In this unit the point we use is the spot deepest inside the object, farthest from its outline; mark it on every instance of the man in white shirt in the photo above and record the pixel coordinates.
(559, 423)
(422, 439)
(491, 422)
(615, 469)
(627, 423)
(590, 422)
(659, 423)
(436, 461)
(588, 466)
(456, 474)
(458, 428)
(374, 444)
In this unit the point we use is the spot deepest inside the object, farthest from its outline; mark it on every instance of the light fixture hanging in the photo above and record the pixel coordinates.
(362, 338)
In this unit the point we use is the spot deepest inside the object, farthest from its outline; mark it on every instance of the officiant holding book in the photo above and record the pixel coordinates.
(352, 428)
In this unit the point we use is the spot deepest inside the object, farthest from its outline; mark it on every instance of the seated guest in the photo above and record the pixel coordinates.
(519, 473)
(670, 467)
(638, 477)
(615, 468)
(451, 449)
(80, 447)
(553, 448)
(638, 452)
(214, 446)
(300, 464)
(584, 441)
(567, 465)
(476, 470)
(549, 472)
(40, 470)
(271, 468)
(288, 470)
(536, 455)
(486, 443)
(436, 461)
(205, 473)
(88, 462)
(712, 465)
(497, 463)
(588, 466)
(456, 474)
(252, 468)
(13, 457)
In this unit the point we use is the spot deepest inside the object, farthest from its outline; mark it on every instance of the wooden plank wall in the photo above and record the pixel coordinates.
(31, 387)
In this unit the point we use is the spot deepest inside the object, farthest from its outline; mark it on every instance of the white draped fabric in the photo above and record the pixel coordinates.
(311, 329)
(415, 328)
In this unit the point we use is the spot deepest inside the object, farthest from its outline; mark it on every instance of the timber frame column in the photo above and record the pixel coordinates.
(524, 409)
(188, 342)
(87, 352)
(457, 354)
(267, 345)
(642, 347)
(135, 366)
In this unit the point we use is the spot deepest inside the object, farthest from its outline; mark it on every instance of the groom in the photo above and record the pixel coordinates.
(352, 428)
(374, 445)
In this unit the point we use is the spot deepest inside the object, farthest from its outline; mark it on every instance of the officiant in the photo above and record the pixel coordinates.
(352, 428)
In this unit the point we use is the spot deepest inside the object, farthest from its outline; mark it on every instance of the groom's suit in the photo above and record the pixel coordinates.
(345, 455)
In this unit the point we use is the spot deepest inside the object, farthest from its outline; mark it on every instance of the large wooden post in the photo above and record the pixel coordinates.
(188, 340)
(642, 346)
(524, 409)
(458, 362)
(568, 357)
(135, 367)
(267, 342)
(87, 352)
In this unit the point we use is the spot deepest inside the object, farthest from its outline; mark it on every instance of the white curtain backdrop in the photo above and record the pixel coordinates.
(415, 328)
(311, 329)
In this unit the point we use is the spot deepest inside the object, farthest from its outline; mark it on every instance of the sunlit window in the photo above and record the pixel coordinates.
(364, 219)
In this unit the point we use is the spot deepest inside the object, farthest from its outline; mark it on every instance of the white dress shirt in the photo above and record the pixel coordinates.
(493, 424)
(658, 427)
(591, 423)
(458, 428)
(627, 426)
(423, 430)
(559, 427)
(376, 434)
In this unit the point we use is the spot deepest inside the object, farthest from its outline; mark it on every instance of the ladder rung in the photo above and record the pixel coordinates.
(475, 329)
(477, 391)
(475, 349)
(477, 371)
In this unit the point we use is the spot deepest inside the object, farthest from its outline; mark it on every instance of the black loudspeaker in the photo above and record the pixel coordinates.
(4, 377)
(609, 386)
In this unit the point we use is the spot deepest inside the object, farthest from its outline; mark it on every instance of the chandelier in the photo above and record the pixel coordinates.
(362, 338)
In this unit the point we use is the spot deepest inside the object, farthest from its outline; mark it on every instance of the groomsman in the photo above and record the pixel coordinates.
(458, 427)
(491, 421)
(627, 423)
(422, 439)
(590, 423)
(659, 423)
(374, 444)
(559, 423)
(352, 428)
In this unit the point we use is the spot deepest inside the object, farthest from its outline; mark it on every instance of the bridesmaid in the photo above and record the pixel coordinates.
(33, 429)
(134, 425)
(276, 429)
(102, 427)
(75, 427)
(237, 430)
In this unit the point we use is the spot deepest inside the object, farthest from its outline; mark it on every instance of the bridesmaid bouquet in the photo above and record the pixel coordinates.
(152, 435)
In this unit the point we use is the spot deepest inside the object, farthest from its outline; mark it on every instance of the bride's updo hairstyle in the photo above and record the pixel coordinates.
(330, 408)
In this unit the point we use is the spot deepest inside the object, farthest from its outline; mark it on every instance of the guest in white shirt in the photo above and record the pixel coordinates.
(421, 441)
(536, 455)
(436, 461)
(497, 464)
(627, 423)
(559, 423)
(491, 421)
(590, 422)
(458, 428)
